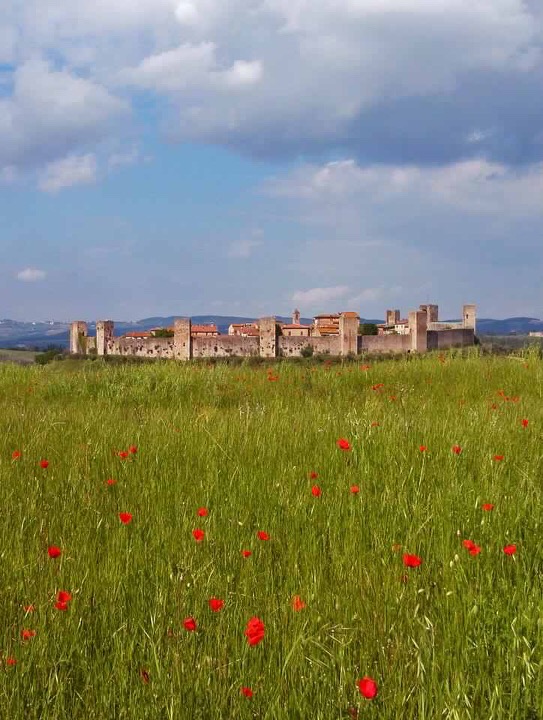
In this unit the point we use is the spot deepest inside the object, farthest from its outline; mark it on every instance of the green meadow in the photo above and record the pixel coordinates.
(430, 443)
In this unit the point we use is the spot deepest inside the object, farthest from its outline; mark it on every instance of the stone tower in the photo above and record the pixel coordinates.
(418, 326)
(104, 334)
(349, 323)
(432, 312)
(182, 341)
(296, 317)
(267, 337)
(392, 317)
(469, 317)
(78, 337)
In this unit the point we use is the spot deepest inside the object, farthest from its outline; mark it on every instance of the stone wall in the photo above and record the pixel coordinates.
(384, 343)
(147, 347)
(444, 339)
(225, 346)
(293, 346)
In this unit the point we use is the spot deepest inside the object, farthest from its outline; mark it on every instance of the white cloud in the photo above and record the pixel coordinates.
(70, 171)
(31, 275)
(244, 73)
(319, 296)
(123, 158)
(243, 248)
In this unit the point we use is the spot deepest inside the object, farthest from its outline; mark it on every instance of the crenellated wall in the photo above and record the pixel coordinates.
(225, 346)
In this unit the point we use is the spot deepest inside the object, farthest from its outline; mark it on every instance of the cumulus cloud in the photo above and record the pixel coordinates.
(31, 275)
(319, 296)
(70, 171)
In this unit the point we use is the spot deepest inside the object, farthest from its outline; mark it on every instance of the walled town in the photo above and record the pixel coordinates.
(330, 334)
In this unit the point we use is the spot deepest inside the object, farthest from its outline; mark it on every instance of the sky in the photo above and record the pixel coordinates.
(243, 157)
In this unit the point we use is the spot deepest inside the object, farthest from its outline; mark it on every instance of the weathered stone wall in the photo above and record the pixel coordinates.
(78, 335)
(418, 325)
(147, 347)
(293, 346)
(268, 337)
(444, 339)
(225, 346)
(384, 343)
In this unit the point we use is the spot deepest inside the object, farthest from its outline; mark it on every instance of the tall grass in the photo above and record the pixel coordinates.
(458, 637)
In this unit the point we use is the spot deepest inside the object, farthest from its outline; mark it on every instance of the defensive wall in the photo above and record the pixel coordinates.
(423, 332)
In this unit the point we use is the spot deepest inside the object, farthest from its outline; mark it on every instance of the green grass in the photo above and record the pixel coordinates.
(459, 637)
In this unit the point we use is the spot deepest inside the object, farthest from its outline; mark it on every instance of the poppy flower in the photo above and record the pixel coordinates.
(316, 491)
(122, 454)
(457, 450)
(247, 692)
(215, 604)
(377, 386)
(411, 561)
(246, 553)
(202, 512)
(297, 603)
(44, 464)
(16, 454)
(499, 458)
(524, 422)
(343, 444)
(111, 481)
(27, 634)
(64, 596)
(261, 535)
(510, 549)
(28, 608)
(125, 517)
(53, 551)
(11, 661)
(189, 624)
(198, 535)
(61, 605)
(355, 489)
(132, 449)
(471, 547)
(375, 424)
(254, 631)
(144, 675)
(313, 475)
(423, 448)
(487, 507)
(368, 687)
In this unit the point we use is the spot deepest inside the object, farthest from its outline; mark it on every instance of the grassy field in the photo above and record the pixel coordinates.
(430, 443)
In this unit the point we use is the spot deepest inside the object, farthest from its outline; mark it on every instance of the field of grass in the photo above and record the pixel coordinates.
(430, 443)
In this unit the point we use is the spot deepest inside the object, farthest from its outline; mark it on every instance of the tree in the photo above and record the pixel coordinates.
(368, 329)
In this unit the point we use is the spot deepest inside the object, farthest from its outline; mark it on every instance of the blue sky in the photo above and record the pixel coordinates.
(246, 156)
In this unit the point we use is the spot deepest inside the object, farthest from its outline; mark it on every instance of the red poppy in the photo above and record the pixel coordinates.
(487, 507)
(16, 454)
(125, 517)
(247, 692)
(261, 535)
(378, 386)
(189, 624)
(313, 475)
(215, 604)
(375, 424)
(423, 448)
(411, 561)
(64, 596)
(368, 687)
(246, 553)
(27, 634)
(297, 603)
(132, 449)
(53, 551)
(28, 608)
(365, 367)
(468, 544)
(457, 450)
(44, 464)
(11, 661)
(254, 631)
(510, 549)
(499, 458)
(473, 549)
(355, 489)
(144, 675)
(524, 422)
(202, 512)
(316, 491)
(122, 454)
(198, 535)
(343, 444)
(61, 605)
(111, 481)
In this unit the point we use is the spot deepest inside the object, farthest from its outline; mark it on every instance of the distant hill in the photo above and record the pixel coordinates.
(41, 334)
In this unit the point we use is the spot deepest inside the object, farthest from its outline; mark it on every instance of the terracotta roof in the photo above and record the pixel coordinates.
(326, 315)
(252, 332)
(296, 326)
(204, 329)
